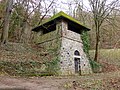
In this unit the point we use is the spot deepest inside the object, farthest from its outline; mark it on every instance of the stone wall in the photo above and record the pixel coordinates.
(71, 41)
(71, 35)
(47, 37)
(63, 43)
(67, 58)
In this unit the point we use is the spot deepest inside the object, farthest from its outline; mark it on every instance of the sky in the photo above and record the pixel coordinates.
(63, 4)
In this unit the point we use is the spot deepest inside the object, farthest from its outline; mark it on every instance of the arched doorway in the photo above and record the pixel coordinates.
(77, 61)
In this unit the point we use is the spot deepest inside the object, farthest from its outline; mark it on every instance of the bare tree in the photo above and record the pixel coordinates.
(101, 9)
(29, 9)
(4, 36)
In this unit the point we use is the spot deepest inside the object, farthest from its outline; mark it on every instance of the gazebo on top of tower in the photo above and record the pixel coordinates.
(61, 34)
(50, 24)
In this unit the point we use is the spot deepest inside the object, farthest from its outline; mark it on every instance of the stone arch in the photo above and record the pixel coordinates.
(76, 53)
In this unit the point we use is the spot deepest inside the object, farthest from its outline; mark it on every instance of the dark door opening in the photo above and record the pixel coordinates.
(77, 65)
(77, 62)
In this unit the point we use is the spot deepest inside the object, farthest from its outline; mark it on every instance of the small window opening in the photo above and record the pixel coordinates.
(77, 53)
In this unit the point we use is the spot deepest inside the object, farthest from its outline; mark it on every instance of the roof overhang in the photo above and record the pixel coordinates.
(60, 16)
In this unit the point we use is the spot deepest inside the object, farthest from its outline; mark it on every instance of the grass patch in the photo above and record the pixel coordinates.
(108, 58)
(111, 56)
(26, 68)
(19, 68)
(96, 67)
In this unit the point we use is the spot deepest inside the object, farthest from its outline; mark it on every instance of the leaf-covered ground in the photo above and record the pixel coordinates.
(99, 81)
(108, 80)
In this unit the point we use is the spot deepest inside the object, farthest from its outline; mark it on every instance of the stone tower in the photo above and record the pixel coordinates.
(62, 33)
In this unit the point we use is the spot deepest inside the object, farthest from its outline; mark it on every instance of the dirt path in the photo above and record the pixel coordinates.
(62, 83)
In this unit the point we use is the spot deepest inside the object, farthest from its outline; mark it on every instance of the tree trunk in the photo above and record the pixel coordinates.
(4, 36)
(25, 36)
(96, 49)
(97, 43)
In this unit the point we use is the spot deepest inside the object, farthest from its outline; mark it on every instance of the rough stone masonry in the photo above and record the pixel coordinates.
(64, 36)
